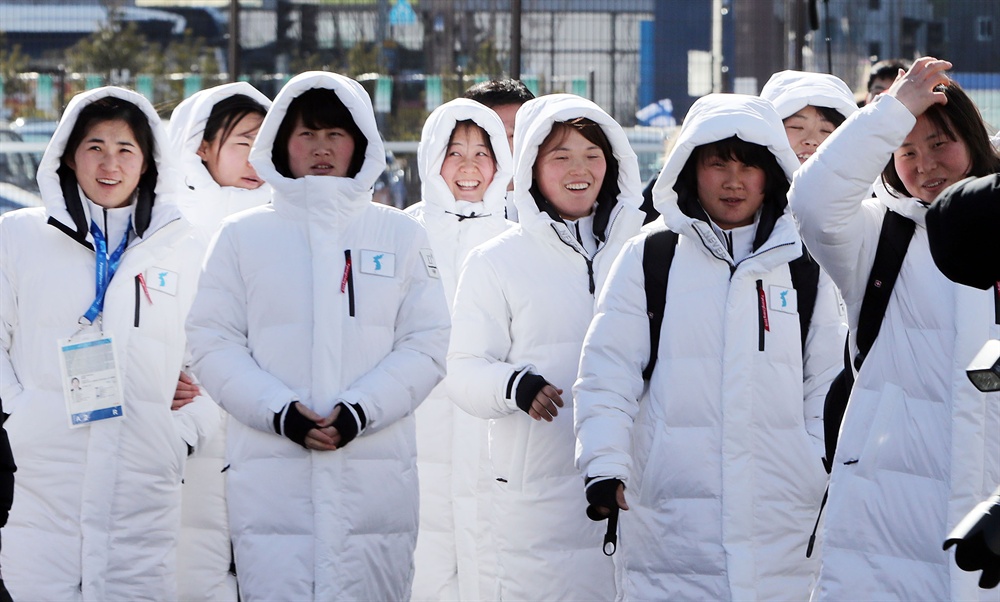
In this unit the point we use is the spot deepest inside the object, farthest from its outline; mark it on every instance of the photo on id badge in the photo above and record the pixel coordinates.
(91, 382)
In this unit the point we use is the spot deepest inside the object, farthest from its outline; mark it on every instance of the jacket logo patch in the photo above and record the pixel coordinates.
(378, 263)
(159, 279)
(784, 299)
(429, 263)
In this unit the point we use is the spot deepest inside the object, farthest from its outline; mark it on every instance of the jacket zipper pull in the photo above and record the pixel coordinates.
(347, 281)
(763, 323)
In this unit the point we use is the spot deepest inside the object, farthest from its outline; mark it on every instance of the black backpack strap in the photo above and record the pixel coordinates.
(805, 281)
(657, 255)
(893, 240)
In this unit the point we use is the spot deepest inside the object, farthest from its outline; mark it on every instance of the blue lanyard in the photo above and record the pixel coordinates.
(106, 267)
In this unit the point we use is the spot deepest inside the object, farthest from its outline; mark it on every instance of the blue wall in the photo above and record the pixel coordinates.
(681, 25)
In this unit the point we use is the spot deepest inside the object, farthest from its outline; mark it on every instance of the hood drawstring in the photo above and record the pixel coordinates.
(473, 215)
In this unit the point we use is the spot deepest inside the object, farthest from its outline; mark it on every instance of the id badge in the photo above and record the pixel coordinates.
(92, 385)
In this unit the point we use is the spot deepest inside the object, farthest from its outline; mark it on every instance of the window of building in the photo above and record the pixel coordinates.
(984, 29)
(874, 4)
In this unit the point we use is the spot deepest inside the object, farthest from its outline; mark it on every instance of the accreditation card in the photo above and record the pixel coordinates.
(91, 382)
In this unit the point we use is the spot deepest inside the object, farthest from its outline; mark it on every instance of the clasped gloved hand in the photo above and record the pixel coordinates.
(977, 541)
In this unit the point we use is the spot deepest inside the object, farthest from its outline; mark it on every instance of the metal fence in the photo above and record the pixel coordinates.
(412, 55)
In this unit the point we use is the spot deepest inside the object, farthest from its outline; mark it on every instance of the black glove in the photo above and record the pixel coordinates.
(347, 425)
(529, 386)
(292, 424)
(977, 541)
(7, 469)
(604, 494)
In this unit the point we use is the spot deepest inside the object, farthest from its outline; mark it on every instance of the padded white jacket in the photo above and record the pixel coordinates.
(524, 302)
(281, 316)
(455, 556)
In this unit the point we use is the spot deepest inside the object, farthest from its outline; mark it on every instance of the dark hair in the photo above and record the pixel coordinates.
(960, 121)
(110, 108)
(832, 115)
(319, 108)
(470, 124)
(499, 92)
(227, 113)
(886, 69)
(607, 197)
(755, 155)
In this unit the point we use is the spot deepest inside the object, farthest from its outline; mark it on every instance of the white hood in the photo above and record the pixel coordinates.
(211, 202)
(434, 144)
(713, 118)
(167, 184)
(791, 91)
(322, 193)
(534, 122)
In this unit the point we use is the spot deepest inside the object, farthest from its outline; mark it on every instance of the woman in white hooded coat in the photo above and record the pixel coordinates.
(319, 326)
(97, 508)
(811, 106)
(207, 129)
(523, 304)
(721, 455)
(919, 446)
(454, 556)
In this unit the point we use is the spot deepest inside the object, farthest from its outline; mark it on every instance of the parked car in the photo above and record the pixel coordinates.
(19, 163)
(9, 135)
(13, 197)
(34, 130)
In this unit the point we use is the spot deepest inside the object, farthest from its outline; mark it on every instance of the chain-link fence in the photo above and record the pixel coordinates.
(412, 55)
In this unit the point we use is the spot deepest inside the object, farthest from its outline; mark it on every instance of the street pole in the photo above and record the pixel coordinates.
(234, 40)
(515, 39)
(716, 45)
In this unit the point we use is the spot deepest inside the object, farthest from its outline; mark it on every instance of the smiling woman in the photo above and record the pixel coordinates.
(94, 434)
(918, 441)
(107, 153)
(575, 167)
(108, 163)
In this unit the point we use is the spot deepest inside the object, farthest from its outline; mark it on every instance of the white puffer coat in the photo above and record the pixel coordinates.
(204, 552)
(96, 509)
(524, 301)
(723, 479)
(919, 445)
(455, 556)
(276, 320)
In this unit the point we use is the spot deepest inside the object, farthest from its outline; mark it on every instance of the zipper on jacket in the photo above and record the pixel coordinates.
(590, 262)
(762, 324)
(138, 297)
(347, 282)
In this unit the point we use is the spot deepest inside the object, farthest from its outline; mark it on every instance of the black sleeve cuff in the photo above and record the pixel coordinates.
(293, 424)
(349, 422)
(527, 389)
(602, 493)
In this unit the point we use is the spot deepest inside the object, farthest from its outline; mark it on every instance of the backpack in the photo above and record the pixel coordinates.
(658, 254)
